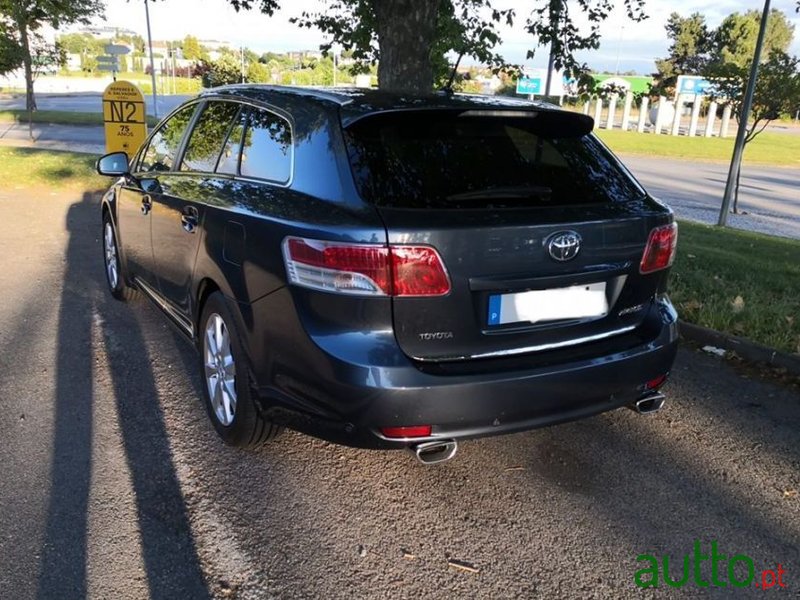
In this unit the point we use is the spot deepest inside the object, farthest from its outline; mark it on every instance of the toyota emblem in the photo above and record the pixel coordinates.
(564, 245)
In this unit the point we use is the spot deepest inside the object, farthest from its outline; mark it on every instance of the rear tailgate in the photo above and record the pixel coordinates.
(487, 265)
(540, 231)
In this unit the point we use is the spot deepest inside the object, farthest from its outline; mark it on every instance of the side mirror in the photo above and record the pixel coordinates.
(114, 164)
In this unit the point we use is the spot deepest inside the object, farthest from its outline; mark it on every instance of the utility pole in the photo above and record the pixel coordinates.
(619, 49)
(152, 64)
(738, 149)
(555, 17)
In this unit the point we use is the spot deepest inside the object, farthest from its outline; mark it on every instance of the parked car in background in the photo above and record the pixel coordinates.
(387, 271)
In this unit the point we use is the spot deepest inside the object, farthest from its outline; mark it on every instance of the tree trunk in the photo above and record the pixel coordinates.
(27, 61)
(406, 29)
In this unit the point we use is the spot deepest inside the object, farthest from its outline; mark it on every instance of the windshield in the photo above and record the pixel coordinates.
(465, 159)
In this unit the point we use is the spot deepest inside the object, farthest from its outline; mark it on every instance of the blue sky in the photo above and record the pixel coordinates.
(637, 44)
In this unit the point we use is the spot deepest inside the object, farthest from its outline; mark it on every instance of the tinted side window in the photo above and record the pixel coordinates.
(267, 147)
(229, 159)
(163, 147)
(208, 136)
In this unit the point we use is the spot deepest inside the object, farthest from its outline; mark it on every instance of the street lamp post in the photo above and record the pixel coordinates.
(152, 64)
(738, 149)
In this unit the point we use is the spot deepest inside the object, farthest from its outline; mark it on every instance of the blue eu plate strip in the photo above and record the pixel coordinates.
(495, 303)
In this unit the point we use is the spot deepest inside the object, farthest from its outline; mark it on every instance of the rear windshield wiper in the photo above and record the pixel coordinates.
(505, 192)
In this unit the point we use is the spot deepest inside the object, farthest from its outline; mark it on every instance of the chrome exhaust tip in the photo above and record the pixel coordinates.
(432, 453)
(649, 404)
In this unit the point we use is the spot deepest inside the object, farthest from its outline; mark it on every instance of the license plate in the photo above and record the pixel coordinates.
(574, 302)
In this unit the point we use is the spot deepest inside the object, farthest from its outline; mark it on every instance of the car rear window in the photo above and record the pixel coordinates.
(482, 159)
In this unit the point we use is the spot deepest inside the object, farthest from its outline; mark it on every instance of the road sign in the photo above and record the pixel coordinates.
(530, 85)
(107, 68)
(107, 60)
(124, 117)
(693, 85)
(117, 49)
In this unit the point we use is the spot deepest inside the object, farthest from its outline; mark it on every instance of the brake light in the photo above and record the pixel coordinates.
(365, 269)
(660, 250)
(407, 432)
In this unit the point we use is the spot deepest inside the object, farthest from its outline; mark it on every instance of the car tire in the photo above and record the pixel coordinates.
(231, 401)
(115, 277)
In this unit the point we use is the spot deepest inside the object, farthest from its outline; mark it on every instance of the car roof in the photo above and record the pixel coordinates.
(354, 103)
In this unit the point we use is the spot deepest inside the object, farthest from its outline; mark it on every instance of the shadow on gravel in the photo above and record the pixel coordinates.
(64, 552)
(557, 512)
(167, 547)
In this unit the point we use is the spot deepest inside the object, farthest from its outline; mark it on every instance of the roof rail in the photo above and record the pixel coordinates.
(319, 93)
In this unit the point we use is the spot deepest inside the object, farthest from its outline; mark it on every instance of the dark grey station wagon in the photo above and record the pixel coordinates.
(386, 271)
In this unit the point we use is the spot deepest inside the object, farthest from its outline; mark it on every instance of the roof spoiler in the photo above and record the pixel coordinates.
(546, 123)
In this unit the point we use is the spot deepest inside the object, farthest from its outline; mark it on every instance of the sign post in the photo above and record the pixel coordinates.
(124, 117)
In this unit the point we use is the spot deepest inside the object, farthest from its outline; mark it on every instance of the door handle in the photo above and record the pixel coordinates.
(147, 204)
(189, 219)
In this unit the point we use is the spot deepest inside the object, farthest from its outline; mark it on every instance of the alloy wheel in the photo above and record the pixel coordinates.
(220, 369)
(112, 262)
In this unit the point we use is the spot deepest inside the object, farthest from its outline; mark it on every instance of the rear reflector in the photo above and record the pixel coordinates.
(365, 269)
(660, 250)
(406, 432)
(655, 383)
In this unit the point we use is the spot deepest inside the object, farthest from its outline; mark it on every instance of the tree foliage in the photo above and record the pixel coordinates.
(777, 89)
(23, 20)
(735, 39)
(192, 49)
(410, 39)
(10, 51)
(695, 49)
(224, 71)
(553, 23)
(689, 50)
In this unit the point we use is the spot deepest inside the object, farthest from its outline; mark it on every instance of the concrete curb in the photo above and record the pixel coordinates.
(745, 348)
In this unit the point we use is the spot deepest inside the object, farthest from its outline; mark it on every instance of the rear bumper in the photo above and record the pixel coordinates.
(344, 388)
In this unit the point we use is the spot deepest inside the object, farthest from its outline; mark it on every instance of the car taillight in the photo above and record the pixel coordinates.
(417, 271)
(365, 269)
(660, 250)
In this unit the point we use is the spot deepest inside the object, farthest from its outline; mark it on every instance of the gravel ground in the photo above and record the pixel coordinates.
(115, 486)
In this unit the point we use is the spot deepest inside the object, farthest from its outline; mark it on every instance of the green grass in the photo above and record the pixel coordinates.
(30, 168)
(59, 117)
(740, 283)
(779, 149)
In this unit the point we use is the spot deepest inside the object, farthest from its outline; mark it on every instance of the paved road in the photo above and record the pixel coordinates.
(86, 102)
(770, 196)
(115, 486)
